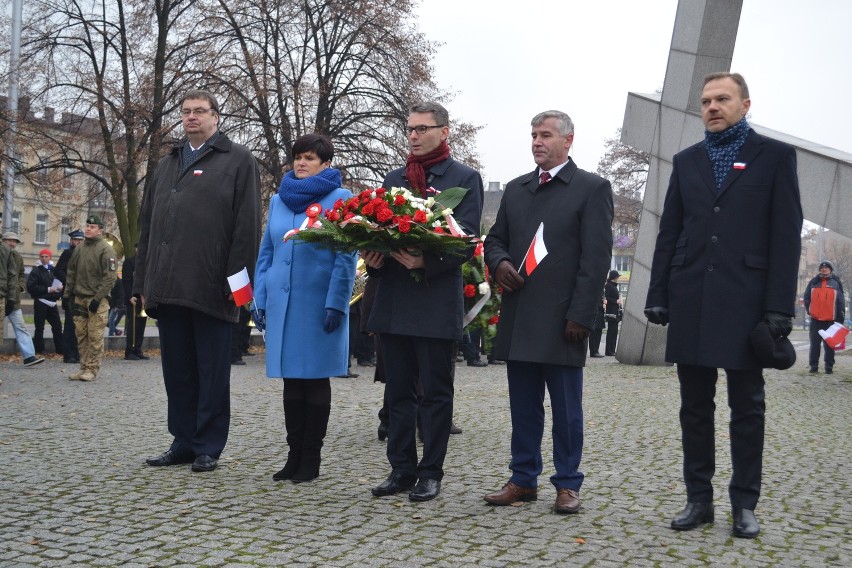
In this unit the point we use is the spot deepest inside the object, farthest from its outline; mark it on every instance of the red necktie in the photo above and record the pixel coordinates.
(544, 177)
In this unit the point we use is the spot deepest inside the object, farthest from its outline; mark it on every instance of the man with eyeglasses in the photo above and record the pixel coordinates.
(45, 290)
(419, 321)
(200, 223)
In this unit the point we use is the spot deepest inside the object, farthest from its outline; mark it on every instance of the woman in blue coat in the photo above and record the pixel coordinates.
(302, 297)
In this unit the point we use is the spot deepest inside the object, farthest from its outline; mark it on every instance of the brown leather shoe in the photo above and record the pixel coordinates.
(512, 493)
(567, 501)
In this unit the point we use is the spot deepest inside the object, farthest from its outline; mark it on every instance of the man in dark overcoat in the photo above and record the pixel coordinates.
(419, 321)
(551, 294)
(726, 258)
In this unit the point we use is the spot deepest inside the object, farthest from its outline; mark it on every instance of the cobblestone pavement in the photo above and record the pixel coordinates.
(74, 489)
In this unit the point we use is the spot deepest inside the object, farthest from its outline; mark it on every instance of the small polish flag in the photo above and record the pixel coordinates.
(536, 252)
(197, 172)
(739, 165)
(241, 287)
(835, 336)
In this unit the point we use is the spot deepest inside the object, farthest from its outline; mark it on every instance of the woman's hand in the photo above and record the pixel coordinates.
(373, 259)
(408, 260)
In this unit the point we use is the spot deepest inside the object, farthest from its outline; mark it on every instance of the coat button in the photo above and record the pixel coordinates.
(710, 268)
(716, 209)
(714, 239)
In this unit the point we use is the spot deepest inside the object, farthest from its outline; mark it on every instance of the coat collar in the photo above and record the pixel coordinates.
(221, 143)
(751, 148)
(530, 181)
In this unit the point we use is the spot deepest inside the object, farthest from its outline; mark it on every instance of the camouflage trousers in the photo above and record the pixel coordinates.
(89, 328)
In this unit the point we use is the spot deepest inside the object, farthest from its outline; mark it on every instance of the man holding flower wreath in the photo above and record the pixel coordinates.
(419, 319)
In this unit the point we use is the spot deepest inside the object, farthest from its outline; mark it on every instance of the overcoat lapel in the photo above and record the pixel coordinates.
(704, 167)
(751, 148)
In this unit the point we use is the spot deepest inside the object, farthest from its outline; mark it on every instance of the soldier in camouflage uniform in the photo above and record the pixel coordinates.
(91, 274)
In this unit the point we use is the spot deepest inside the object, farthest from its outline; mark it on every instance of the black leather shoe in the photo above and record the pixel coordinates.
(595, 355)
(382, 431)
(71, 360)
(829, 370)
(141, 355)
(477, 363)
(496, 362)
(425, 490)
(239, 362)
(745, 524)
(169, 458)
(693, 516)
(395, 483)
(454, 429)
(204, 463)
(131, 357)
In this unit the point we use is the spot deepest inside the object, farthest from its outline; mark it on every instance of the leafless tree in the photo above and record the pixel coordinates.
(627, 169)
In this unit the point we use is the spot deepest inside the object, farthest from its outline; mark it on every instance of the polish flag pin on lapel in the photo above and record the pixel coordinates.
(197, 172)
(739, 165)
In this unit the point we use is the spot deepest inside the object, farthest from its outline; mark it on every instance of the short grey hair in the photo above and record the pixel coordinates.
(563, 122)
(439, 113)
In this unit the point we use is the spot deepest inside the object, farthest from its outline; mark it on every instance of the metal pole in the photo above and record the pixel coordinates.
(14, 62)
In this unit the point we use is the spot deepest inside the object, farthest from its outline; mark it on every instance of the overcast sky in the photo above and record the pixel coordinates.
(508, 61)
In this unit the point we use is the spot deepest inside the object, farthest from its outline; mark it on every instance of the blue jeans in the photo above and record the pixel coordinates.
(22, 336)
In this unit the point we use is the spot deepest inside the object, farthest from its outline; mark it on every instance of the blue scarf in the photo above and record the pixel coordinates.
(298, 194)
(723, 148)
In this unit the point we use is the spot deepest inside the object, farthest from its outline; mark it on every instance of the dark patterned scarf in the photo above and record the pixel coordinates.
(298, 194)
(416, 166)
(723, 148)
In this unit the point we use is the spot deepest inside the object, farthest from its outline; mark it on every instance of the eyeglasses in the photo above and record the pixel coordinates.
(421, 129)
(195, 111)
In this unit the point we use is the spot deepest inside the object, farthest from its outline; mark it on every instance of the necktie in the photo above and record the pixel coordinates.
(544, 177)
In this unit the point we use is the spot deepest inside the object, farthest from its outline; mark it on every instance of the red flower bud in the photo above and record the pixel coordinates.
(469, 291)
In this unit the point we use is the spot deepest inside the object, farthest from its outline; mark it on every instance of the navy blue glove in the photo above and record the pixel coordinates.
(779, 324)
(658, 315)
(332, 319)
(259, 317)
(94, 305)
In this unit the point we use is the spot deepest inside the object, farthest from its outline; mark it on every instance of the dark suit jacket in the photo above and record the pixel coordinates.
(576, 208)
(723, 258)
(433, 307)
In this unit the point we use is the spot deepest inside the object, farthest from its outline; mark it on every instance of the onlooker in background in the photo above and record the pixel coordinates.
(240, 335)
(826, 304)
(201, 215)
(91, 275)
(40, 285)
(597, 330)
(12, 266)
(116, 307)
(71, 353)
(302, 292)
(613, 310)
(134, 324)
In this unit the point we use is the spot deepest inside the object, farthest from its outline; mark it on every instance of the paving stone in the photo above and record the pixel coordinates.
(76, 490)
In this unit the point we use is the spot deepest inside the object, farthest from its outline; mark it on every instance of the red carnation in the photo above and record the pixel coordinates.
(478, 250)
(352, 203)
(469, 290)
(368, 209)
(420, 216)
(348, 215)
(405, 224)
(332, 215)
(493, 320)
(381, 191)
(339, 204)
(399, 199)
(439, 230)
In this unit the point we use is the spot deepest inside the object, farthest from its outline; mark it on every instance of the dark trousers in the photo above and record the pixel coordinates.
(816, 343)
(472, 344)
(595, 339)
(134, 330)
(611, 335)
(196, 351)
(42, 312)
(527, 382)
(241, 337)
(432, 360)
(746, 399)
(69, 338)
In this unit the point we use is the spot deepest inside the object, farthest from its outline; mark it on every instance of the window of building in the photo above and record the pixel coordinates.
(622, 263)
(64, 229)
(41, 229)
(16, 222)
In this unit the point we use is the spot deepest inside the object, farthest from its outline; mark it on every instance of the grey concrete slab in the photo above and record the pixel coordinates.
(75, 490)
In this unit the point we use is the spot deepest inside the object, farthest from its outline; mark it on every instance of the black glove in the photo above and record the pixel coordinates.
(66, 303)
(10, 307)
(575, 332)
(658, 315)
(332, 319)
(507, 277)
(259, 317)
(94, 305)
(779, 324)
